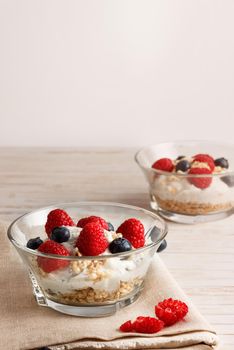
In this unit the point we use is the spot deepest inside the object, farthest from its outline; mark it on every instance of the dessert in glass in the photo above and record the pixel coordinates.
(190, 181)
(88, 258)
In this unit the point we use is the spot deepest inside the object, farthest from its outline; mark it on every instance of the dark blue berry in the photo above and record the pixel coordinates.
(60, 234)
(228, 180)
(119, 245)
(162, 246)
(34, 243)
(222, 162)
(44, 348)
(180, 157)
(110, 227)
(183, 165)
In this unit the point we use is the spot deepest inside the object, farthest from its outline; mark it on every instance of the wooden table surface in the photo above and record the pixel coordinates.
(200, 257)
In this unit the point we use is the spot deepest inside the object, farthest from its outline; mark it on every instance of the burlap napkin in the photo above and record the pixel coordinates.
(25, 325)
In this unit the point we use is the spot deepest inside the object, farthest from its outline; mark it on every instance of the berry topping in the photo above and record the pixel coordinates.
(126, 327)
(110, 227)
(171, 311)
(120, 245)
(200, 182)
(92, 240)
(82, 222)
(164, 164)
(222, 162)
(50, 264)
(133, 231)
(183, 165)
(228, 180)
(56, 218)
(205, 158)
(34, 243)
(180, 157)
(60, 234)
(147, 325)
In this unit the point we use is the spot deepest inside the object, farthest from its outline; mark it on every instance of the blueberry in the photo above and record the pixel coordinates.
(222, 162)
(110, 227)
(183, 165)
(180, 157)
(120, 245)
(228, 180)
(60, 234)
(162, 246)
(44, 348)
(34, 243)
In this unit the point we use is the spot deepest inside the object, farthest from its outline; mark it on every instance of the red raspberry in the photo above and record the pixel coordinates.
(133, 231)
(147, 325)
(164, 164)
(126, 327)
(92, 240)
(49, 264)
(82, 222)
(200, 182)
(171, 311)
(205, 158)
(56, 218)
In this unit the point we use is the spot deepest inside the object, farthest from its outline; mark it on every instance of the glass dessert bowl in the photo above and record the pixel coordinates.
(63, 274)
(190, 181)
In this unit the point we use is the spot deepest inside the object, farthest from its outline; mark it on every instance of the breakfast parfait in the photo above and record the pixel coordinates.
(94, 277)
(192, 185)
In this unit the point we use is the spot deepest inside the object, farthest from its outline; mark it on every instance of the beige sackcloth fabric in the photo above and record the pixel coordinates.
(25, 325)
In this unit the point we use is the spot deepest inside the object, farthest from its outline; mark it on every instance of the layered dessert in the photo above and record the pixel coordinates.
(100, 272)
(192, 185)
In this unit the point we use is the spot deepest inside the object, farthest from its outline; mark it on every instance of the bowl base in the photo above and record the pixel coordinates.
(190, 219)
(93, 310)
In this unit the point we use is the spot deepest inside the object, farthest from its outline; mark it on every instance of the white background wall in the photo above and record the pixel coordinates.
(115, 72)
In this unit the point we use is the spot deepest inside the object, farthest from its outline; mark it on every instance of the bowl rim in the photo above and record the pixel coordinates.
(98, 257)
(166, 173)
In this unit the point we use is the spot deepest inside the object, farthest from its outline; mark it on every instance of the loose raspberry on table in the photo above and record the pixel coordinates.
(200, 182)
(171, 311)
(164, 164)
(50, 264)
(126, 327)
(133, 230)
(92, 240)
(56, 218)
(147, 325)
(82, 222)
(205, 158)
(142, 324)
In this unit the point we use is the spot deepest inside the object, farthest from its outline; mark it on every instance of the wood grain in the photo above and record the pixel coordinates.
(200, 257)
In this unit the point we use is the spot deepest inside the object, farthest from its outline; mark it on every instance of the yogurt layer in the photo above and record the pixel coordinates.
(112, 270)
(179, 189)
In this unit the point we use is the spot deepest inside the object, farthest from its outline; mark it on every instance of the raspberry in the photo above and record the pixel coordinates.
(205, 158)
(133, 231)
(147, 325)
(126, 327)
(171, 311)
(164, 164)
(82, 222)
(56, 218)
(49, 264)
(92, 240)
(200, 182)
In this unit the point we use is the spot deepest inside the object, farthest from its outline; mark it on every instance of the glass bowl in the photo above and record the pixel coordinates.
(174, 195)
(88, 286)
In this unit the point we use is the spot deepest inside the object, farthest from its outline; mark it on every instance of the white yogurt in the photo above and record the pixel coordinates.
(115, 270)
(179, 189)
